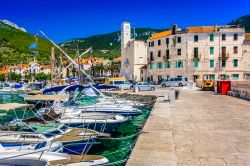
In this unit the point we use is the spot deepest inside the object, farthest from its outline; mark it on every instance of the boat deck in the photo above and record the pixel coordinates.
(76, 158)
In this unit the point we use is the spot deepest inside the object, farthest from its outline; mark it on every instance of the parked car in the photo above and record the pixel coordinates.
(144, 86)
(179, 81)
(120, 82)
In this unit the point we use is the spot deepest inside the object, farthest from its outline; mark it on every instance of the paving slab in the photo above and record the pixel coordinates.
(201, 128)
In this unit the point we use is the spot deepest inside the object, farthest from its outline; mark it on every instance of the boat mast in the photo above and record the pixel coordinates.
(52, 65)
(68, 57)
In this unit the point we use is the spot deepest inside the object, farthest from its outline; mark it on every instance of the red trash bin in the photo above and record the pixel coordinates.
(223, 87)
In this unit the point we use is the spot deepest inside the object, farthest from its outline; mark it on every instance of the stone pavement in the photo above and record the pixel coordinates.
(198, 129)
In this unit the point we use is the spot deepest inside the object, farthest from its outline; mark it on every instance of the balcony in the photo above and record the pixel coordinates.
(196, 57)
(151, 59)
(166, 58)
(224, 56)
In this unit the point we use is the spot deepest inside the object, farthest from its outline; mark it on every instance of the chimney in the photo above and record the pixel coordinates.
(174, 29)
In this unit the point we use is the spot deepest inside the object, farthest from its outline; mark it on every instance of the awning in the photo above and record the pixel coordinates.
(46, 97)
(12, 106)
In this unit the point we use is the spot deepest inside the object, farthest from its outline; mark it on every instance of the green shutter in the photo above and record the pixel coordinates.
(156, 65)
(211, 37)
(211, 63)
(182, 64)
(235, 62)
(169, 63)
(196, 63)
(151, 65)
(223, 63)
(176, 64)
(211, 50)
(212, 77)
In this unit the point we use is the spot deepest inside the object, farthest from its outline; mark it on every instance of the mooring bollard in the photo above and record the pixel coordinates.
(136, 89)
(172, 95)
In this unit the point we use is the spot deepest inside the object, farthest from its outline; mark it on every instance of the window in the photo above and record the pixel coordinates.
(196, 63)
(151, 66)
(196, 38)
(178, 39)
(211, 64)
(148, 44)
(159, 42)
(178, 51)
(235, 76)
(159, 53)
(168, 65)
(223, 37)
(235, 37)
(160, 65)
(211, 37)
(211, 50)
(167, 41)
(151, 56)
(235, 50)
(224, 51)
(223, 63)
(167, 54)
(212, 77)
(179, 64)
(196, 52)
(152, 44)
(235, 62)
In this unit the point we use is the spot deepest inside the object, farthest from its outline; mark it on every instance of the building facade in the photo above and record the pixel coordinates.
(133, 54)
(203, 52)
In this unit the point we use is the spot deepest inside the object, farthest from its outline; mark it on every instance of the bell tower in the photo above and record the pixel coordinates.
(125, 34)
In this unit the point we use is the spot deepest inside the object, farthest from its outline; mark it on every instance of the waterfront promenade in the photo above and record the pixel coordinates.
(200, 128)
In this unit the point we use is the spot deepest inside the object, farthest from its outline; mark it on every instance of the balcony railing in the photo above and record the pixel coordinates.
(166, 58)
(223, 56)
(196, 57)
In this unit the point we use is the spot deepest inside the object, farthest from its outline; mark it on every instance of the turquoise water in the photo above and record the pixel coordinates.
(117, 149)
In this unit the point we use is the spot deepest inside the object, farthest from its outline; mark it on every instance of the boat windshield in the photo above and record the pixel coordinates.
(52, 133)
(63, 128)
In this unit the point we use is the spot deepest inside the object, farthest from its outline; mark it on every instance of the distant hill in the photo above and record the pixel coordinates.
(106, 45)
(14, 43)
(243, 21)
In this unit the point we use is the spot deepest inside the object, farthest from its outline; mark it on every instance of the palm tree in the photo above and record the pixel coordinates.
(113, 67)
(98, 69)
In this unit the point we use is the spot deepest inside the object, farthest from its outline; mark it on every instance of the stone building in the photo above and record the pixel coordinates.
(201, 52)
(133, 54)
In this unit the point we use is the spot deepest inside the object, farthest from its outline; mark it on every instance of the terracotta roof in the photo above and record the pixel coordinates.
(45, 66)
(201, 29)
(118, 59)
(160, 34)
(3, 71)
(247, 36)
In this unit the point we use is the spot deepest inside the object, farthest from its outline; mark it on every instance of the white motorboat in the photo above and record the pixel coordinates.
(42, 158)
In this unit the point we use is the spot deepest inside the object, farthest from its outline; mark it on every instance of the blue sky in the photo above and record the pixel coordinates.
(66, 19)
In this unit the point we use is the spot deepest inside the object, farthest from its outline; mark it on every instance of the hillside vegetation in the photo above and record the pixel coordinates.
(243, 21)
(14, 45)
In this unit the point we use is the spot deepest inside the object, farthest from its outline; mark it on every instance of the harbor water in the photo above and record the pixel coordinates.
(118, 148)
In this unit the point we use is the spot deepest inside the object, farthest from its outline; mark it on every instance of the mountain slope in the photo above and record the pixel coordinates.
(106, 45)
(14, 45)
(243, 21)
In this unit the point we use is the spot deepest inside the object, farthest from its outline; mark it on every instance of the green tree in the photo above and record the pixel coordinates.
(41, 77)
(113, 67)
(2, 77)
(15, 77)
